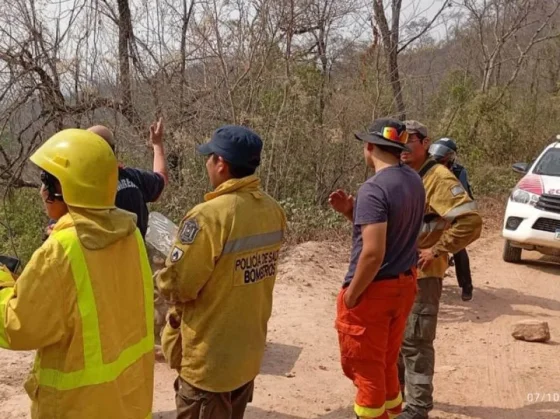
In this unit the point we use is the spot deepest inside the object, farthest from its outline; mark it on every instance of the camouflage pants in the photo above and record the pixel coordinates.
(417, 357)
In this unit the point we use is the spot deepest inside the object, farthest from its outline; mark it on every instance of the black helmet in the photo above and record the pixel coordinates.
(444, 150)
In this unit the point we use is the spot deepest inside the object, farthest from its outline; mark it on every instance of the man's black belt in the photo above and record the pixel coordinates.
(408, 272)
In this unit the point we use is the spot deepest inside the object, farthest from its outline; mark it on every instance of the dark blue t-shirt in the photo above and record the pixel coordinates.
(396, 196)
(136, 188)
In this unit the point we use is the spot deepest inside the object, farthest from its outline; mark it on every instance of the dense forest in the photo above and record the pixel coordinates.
(304, 74)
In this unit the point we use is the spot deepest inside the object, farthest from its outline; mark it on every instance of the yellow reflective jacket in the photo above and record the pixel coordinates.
(451, 220)
(220, 274)
(85, 302)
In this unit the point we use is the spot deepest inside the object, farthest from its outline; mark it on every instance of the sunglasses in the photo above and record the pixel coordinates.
(419, 137)
(392, 134)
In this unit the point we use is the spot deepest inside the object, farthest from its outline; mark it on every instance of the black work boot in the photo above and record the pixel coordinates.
(466, 294)
(409, 413)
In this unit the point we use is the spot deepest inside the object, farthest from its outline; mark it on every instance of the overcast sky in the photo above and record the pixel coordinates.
(423, 8)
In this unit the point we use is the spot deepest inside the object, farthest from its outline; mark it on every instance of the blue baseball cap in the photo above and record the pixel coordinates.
(236, 144)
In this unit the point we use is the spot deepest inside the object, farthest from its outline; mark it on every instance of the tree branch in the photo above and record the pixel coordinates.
(425, 29)
(381, 20)
(523, 53)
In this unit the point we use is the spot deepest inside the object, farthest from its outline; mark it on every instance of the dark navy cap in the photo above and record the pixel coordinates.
(236, 144)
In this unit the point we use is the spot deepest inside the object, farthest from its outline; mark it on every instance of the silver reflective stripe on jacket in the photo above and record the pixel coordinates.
(436, 225)
(253, 242)
(460, 210)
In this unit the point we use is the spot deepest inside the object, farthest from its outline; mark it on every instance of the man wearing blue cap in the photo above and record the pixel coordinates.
(219, 277)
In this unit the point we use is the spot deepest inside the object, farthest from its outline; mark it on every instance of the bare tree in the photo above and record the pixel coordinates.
(393, 45)
(304, 74)
(498, 25)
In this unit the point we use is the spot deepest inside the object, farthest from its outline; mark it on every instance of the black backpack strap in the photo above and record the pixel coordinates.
(457, 169)
(427, 167)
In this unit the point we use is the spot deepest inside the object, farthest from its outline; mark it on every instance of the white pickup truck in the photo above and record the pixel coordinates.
(532, 218)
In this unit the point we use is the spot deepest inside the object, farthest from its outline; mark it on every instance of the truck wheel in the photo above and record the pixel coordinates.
(511, 254)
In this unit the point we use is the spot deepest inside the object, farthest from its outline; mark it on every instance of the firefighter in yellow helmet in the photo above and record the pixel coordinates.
(84, 300)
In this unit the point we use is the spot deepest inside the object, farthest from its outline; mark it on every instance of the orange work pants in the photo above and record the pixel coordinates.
(370, 336)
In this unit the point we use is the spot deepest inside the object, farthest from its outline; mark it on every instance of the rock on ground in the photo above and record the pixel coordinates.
(531, 331)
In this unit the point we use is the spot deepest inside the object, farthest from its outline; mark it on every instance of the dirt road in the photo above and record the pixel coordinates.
(481, 371)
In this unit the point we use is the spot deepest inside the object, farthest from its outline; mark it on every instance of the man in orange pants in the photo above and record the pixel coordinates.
(380, 286)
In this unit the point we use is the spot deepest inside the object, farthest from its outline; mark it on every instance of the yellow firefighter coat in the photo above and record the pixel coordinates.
(221, 274)
(85, 302)
(451, 220)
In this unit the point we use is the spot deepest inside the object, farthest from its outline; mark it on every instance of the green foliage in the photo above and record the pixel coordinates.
(308, 79)
(492, 130)
(22, 223)
(307, 221)
(488, 180)
(456, 89)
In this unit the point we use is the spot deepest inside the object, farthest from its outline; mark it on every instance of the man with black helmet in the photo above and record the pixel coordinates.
(444, 151)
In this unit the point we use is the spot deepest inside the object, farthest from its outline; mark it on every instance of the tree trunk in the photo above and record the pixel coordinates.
(396, 85)
(391, 45)
(125, 39)
(187, 13)
(324, 76)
